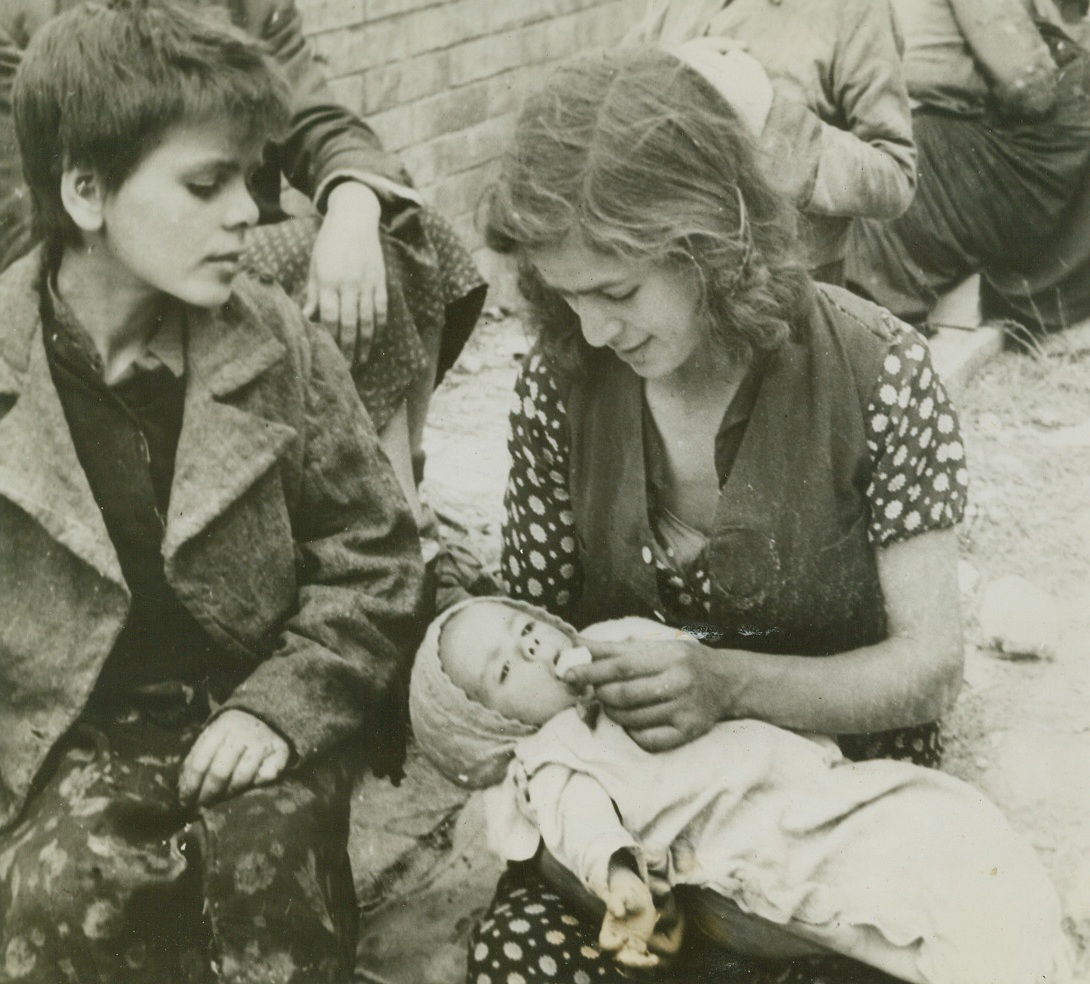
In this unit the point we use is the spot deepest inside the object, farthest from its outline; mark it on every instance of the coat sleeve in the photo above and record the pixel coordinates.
(344, 650)
(326, 142)
(1011, 53)
(867, 161)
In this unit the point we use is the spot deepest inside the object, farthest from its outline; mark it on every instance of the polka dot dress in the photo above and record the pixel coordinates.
(919, 479)
(918, 483)
(532, 935)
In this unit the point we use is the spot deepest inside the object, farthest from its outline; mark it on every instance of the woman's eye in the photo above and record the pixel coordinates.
(505, 670)
(624, 295)
(203, 189)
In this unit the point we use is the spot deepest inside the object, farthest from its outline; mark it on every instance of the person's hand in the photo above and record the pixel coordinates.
(236, 751)
(346, 286)
(630, 919)
(735, 74)
(663, 692)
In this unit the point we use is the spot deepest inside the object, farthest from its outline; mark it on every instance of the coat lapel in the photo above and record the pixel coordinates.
(39, 470)
(224, 447)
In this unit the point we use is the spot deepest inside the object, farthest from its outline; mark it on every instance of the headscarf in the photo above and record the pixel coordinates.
(467, 742)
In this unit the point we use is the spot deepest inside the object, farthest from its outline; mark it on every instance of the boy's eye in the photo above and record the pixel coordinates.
(527, 629)
(505, 670)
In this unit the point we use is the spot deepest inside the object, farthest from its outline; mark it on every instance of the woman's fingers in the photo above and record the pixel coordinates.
(614, 662)
(647, 716)
(245, 770)
(659, 739)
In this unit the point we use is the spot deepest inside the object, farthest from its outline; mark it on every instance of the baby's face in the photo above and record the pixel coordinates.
(504, 658)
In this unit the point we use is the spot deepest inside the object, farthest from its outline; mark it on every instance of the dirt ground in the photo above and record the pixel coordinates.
(1021, 728)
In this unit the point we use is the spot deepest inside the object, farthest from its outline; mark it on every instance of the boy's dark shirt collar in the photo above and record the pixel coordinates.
(71, 342)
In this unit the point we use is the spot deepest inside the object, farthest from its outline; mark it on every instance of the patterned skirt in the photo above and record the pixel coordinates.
(107, 878)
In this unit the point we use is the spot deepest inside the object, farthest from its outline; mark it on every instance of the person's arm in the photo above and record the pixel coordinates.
(332, 156)
(539, 560)
(667, 693)
(359, 573)
(326, 142)
(866, 165)
(1011, 54)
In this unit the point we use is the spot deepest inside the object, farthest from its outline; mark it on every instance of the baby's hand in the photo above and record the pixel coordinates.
(629, 920)
(236, 751)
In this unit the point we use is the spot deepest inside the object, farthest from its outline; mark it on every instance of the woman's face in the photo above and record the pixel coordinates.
(648, 313)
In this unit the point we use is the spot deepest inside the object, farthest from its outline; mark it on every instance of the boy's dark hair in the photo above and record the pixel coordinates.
(99, 86)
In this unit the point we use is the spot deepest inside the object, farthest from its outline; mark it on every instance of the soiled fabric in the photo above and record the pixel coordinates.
(1002, 124)
(107, 878)
(218, 530)
(901, 867)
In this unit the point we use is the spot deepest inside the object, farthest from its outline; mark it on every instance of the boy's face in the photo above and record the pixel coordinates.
(176, 224)
(504, 658)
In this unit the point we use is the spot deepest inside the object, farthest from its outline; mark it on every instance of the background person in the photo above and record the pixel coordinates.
(1001, 116)
(837, 138)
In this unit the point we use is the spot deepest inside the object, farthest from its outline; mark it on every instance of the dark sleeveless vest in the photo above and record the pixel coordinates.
(791, 567)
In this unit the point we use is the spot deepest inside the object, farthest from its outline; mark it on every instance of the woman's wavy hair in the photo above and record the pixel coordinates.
(640, 157)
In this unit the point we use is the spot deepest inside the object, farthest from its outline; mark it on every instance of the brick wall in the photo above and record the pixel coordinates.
(440, 80)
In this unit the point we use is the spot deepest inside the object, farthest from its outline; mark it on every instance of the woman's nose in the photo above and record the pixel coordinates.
(600, 327)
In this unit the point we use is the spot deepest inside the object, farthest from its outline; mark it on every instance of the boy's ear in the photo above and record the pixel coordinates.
(82, 197)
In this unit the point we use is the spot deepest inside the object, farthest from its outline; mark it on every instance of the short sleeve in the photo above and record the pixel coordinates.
(539, 561)
(919, 480)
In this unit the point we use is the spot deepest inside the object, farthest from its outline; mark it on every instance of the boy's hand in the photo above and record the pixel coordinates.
(236, 751)
(629, 920)
(346, 286)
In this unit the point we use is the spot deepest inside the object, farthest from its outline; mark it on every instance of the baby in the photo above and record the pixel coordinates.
(901, 867)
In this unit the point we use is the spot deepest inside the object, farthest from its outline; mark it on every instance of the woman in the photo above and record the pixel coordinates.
(707, 438)
(1002, 124)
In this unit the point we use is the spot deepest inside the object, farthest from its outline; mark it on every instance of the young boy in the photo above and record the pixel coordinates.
(209, 569)
(779, 846)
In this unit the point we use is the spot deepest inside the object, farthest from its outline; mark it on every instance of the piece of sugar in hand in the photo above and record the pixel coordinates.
(570, 658)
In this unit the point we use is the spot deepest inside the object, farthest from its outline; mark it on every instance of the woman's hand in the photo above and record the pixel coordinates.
(236, 751)
(664, 693)
(346, 286)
